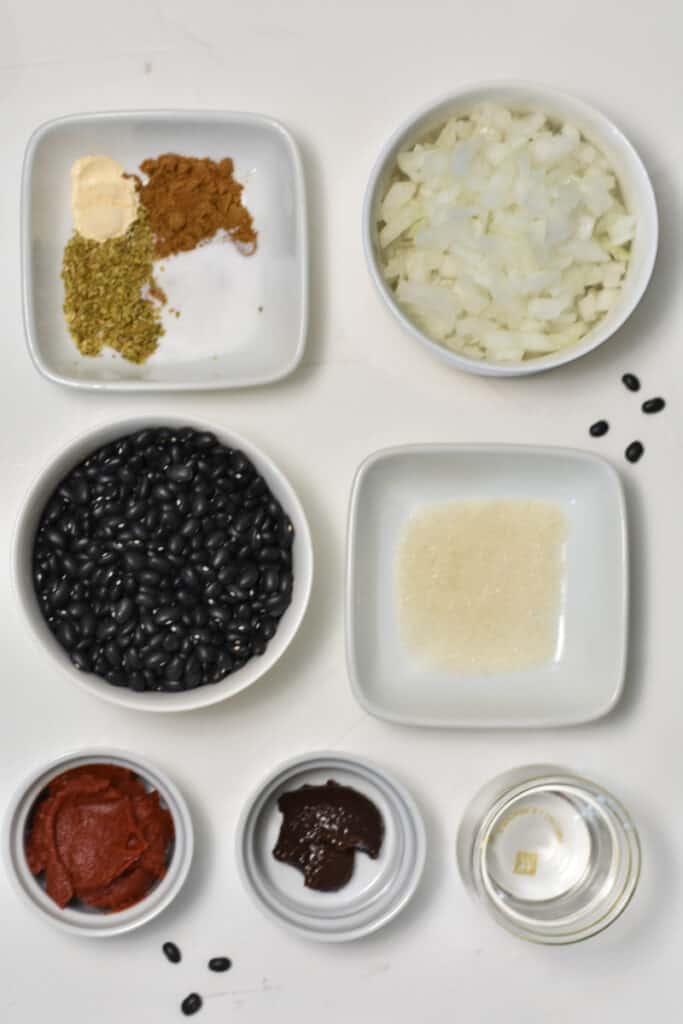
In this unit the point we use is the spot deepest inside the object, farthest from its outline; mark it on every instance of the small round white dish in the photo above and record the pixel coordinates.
(22, 550)
(633, 178)
(378, 889)
(86, 921)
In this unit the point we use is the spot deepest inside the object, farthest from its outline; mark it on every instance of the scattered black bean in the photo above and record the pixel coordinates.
(599, 428)
(220, 963)
(191, 1004)
(631, 381)
(653, 405)
(163, 561)
(171, 952)
(634, 451)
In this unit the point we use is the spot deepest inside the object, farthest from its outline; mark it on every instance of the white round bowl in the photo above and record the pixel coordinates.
(87, 921)
(633, 179)
(378, 889)
(22, 551)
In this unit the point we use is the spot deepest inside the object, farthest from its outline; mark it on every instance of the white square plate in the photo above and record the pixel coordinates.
(243, 318)
(585, 679)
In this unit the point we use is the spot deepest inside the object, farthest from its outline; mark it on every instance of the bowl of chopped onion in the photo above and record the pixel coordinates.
(510, 228)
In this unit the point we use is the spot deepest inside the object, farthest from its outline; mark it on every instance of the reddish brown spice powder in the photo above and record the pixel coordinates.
(189, 200)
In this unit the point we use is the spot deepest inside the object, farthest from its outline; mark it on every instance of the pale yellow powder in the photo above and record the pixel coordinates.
(480, 584)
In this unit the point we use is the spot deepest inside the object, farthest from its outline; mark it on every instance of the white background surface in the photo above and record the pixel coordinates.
(342, 76)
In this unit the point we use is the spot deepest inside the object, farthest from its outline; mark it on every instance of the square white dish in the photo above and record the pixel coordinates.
(243, 318)
(584, 680)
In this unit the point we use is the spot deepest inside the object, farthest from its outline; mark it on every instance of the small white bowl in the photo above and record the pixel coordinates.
(22, 551)
(243, 319)
(87, 921)
(585, 678)
(378, 889)
(633, 178)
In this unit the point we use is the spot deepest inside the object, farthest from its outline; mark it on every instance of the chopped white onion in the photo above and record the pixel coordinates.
(507, 237)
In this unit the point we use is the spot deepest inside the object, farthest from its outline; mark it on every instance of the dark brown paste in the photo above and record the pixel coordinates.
(99, 837)
(322, 827)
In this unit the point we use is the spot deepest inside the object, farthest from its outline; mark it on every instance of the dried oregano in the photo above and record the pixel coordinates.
(109, 289)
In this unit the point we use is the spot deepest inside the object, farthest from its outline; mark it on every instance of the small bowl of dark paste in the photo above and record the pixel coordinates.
(331, 847)
(98, 842)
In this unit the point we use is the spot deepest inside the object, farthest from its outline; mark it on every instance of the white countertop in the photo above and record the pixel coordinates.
(341, 77)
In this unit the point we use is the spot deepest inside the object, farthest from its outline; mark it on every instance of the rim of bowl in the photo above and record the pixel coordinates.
(647, 214)
(187, 700)
(33, 894)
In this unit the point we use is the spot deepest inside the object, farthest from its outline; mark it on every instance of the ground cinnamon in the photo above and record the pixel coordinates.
(189, 200)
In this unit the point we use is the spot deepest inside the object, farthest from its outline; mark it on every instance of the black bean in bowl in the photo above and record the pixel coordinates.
(163, 561)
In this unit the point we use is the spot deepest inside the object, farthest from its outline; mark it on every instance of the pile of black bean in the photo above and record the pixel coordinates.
(163, 561)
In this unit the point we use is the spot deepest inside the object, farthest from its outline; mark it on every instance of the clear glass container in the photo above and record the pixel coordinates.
(553, 857)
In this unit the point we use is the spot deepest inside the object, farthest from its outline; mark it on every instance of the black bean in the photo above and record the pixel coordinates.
(243, 522)
(190, 527)
(189, 577)
(200, 506)
(228, 574)
(135, 508)
(215, 539)
(631, 381)
(168, 614)
(159, 564)
(248, 577)
(214, 590)
(87, 623)
(124, 609)
(653, 405)
(67, 635)
(205, 653)
(112, 653)
(220, 963)
(269, 556)
(171, 643)
(271, 581)
(132, 660)
(136, 681)
(150, 577)
(82, 660)
(171, 952)
(175, 669)
(235, 594)
(105, 629)
(221, 614)
(156, 660)
(151, 520)
(176, 544)
(59, 595)
(181, 474)
(156, 641)
(221, 557)
(193, 672)
(599, 428)
(116, 677)
(268, 627)
(134, 559)
(635, 451)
